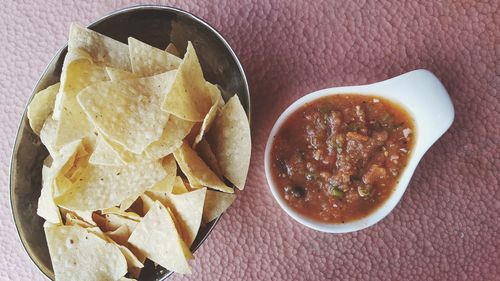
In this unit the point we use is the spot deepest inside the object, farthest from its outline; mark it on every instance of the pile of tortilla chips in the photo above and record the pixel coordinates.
(141, 146)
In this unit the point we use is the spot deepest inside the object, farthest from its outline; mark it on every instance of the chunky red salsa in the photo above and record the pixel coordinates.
(338, 158)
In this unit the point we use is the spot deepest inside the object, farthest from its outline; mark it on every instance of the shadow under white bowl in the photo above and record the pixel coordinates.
(424, 98)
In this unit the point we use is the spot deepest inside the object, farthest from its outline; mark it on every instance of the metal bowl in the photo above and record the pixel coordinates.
(156, 25)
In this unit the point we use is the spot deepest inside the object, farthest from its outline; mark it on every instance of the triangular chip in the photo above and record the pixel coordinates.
(231, 143)
(188, 97)
(171, 139)
(157, 237)
(120, 235)
(193, 133)
(179, 186)
(187, 209)
(103, 50)
(111, 222)
(48, 135)
(97, 231)
(147, 203)
(103, 187)
(117, 211)
(206, 153)
(41, 106)
(216, 203)
(71, 219)
(129, 202)
(167, 183)
(132, 260)
(116, 74)
(78, 72)
(73, 123)
(78, 254)
(61, 184)
(105, 155)
(197, 172)
(207, 123)
(46, 208)
(148, 61)
(128, 111)
(84, 216)
(71, 57)
(125, 155)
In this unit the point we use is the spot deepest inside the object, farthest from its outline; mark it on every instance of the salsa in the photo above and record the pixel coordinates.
(338, 158)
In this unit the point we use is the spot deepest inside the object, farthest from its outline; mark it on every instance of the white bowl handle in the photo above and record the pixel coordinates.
(425, 97)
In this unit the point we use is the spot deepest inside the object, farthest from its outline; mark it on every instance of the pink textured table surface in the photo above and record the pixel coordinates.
(447, 225)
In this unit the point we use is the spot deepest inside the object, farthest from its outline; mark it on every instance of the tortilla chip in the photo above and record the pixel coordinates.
(179, 186)
(231, 143)
(41, 107)
(61, 184)
(128, 111)
(193, 133)
(207, 123)
(48, 135)
(215, 94)
(120, 235)
(147, 203)
(85, 216)
(117, 211)
(171, 139)
(129, 202)
(132, 260)
(205, 152)
(72, 57)
(188, 97)
(78, 73)
(105, 155)
(167, 183)
(148, 61)
(76, 171)
(78, 254)
(46, 208)
(71, 219)
(172, 50)
(125, 155)
(157, 237)
(187, 209)
(116, 74)
(104, 50)
(103, 187)
(111, 222)
(216, 203)
(135, 259)
(197, 172)
(97, 231)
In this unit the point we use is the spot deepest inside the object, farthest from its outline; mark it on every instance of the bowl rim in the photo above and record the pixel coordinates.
(46, 71)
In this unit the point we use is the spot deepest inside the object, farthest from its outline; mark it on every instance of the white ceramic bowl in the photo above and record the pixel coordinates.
(427, 101)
